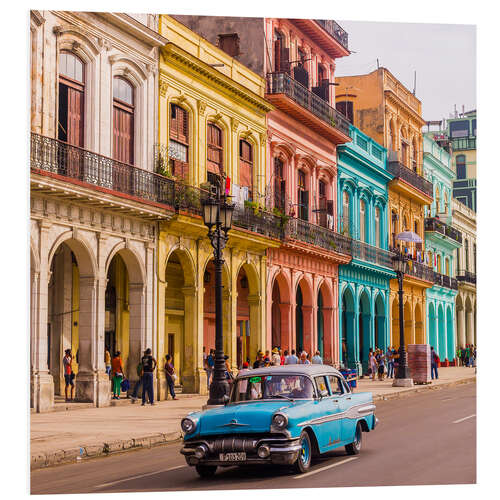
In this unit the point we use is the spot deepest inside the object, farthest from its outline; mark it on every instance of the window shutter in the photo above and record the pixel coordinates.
(301, 75)
(277, 55)
(329, 207)
(285, 60)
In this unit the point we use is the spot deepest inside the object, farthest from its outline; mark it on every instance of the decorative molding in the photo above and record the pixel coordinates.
(202, 106)
(163, 87)
(234, 124)
(263, 138)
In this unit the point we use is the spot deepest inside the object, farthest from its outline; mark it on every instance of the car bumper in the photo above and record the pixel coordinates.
(282, 452)
(375, 422)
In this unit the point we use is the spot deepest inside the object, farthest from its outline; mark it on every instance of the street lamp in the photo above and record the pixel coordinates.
(402, 378)
(218, 216)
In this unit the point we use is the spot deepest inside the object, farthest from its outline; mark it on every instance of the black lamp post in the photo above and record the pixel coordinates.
(402, 378)
(218, 215)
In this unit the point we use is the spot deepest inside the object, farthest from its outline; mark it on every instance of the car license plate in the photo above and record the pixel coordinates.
(232, 457)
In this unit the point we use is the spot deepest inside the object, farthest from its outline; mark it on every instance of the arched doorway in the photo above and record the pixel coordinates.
(380, 323)
(280, 313)
(450, 335)
(408, 319)
(326, 341)
(441, 333)
(299, 321)
(348, 342)
(320, 324)
(243, 352)
(432, 326)
(303, 317)
(419, 327)
(364, 321)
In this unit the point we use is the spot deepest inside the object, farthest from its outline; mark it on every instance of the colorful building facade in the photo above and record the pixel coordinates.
(364, 283)
(389, 113)
(441, 243)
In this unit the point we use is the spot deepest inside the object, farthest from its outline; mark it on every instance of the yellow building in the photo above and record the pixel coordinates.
(383, 108)
(212, 120)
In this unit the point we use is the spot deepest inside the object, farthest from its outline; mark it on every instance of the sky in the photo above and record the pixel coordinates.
(443, 55)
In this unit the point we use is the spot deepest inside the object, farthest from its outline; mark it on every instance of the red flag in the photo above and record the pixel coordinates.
(228, 184)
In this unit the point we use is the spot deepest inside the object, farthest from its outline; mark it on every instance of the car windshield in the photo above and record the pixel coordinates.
(272, 387)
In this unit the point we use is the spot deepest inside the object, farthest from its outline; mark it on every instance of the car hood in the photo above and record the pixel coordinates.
(254, 416)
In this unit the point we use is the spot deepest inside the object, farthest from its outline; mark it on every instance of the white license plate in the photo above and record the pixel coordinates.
(232, 457)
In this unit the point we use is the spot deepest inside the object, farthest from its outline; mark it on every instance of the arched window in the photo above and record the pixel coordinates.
(377, 227)
(279, 185)
(346, 213)
(303, 195)
(123, 120)
(281, 53)
(71, 99)
(246, 167)
(215, 152)
(461, 167)
(178, 146)
(322, 88)
(394, 220)
(362, 220)
(414, 155)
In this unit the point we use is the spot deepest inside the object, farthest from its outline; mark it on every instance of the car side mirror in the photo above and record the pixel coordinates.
(323, 394)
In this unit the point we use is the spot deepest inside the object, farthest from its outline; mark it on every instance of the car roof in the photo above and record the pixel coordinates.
(311, 370)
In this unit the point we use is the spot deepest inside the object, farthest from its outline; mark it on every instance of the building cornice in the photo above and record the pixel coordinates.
(37, 17)
(396, 101)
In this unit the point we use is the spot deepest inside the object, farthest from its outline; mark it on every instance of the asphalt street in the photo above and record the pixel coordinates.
(426, 438)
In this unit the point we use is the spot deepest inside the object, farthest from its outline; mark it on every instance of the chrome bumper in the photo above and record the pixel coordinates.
(375, 422)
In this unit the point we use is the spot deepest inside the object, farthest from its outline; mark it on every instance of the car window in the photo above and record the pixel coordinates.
(336, 385)
(347, 389)
(321, 386)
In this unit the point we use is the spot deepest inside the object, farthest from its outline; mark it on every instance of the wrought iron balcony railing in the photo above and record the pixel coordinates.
(335, 30)
(397, 169)
(433, 224)
(420, 271)
(317, 235)
(467, 277)
(463, 143)
(283, 83)
(264, 223)
(363, 251)
(58, 157)
(445, 281)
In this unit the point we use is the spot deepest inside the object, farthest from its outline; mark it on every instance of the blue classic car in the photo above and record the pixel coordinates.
(279, 415)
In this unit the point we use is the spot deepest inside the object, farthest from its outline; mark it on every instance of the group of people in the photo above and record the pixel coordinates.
(466, 356)
(382, 364)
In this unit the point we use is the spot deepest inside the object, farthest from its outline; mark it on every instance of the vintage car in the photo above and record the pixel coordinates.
(279, 415)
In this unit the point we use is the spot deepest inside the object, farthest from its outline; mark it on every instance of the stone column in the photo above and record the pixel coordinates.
(470, 327)
(328, 336)
(193, 374)
(161, 390)
(42, 384)
(137, 326)
(461, 327)
(307, 331)
(257, 340)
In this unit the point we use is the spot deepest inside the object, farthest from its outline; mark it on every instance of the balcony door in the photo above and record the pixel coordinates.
(303, 196)
(123, 121)
(215, 151)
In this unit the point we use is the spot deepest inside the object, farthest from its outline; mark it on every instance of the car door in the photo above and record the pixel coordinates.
(329, 426)
(344, 395)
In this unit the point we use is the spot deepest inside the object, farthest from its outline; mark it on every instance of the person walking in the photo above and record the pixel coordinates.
(138, 384)
(282, 357)
(170, 375)
(390, 363)
(381, 364)
(372, 363)
(107, 361)
(148, 368)
(434, 363)
(276, 358)
(69, 376)
(303, 359)
(210, 367)
(317, 360)
(471, 356)
(118, 374)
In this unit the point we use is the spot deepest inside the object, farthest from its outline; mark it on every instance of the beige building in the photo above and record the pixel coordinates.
(464, 219)
(94, 198)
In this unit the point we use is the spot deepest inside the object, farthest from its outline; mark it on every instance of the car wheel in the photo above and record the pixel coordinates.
(303, 462)
(206, 471)
(355, 447)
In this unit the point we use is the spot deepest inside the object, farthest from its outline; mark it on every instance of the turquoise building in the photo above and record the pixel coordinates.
(441, 242)
(364, 320)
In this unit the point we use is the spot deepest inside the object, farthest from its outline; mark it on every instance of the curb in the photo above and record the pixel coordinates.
(422, 388)
(73, 455)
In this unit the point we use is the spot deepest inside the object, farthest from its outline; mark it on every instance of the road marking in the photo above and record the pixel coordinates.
(104, 485)
(465, 418)
(447, 399)
(321, 469)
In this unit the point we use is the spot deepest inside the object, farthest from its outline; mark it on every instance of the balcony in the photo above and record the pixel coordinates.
(334, 29)
(369, 253)
(293, 98)
(435, 225)
(264, 223)
(319, 236)
(466, 277)
(445, 281)
(463, 143)
(420, 271)
(401, 172)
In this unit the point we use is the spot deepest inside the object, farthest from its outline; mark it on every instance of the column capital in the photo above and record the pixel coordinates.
(189, 291)
(254, 299)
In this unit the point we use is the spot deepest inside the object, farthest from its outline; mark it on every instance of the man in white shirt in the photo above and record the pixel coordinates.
(316, 360)
(292, 359)
(275, 358)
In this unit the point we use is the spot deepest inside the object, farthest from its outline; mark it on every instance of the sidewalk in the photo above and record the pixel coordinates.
(68, 436)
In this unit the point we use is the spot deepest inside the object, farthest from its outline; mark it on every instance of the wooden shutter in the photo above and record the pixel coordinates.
(179, 124)
(305, 205)
(246, 166)
(277, 55)
(214, 149)
(75, 117)
(285, 60)
(301, 75)
(123, 134)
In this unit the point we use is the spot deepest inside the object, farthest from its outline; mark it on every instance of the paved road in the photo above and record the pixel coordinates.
(428, 438)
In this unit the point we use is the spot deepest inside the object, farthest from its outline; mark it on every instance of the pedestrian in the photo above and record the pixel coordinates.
(471, 356)
(458, 355)
(292, 359)
(381, 364)
(139, 381)
(267, 362)
(148, 368)
(228, 371)
(317, 360)
(118, 374)
(285, 356)
(276, 358)
(107, 361)
(282, 356)
(372, 363)
(303, 359)
(434, 363)
(69, 376)
(259, 361)
(210, 367)
(390, 363)
(170, 375)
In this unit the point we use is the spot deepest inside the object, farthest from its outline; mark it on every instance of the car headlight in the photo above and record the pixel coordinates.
(280, 421)
(188, 425)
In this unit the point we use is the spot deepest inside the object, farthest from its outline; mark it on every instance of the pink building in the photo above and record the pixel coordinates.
(297, 57)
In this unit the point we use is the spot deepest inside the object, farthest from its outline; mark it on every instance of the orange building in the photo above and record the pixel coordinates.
(383, 108)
